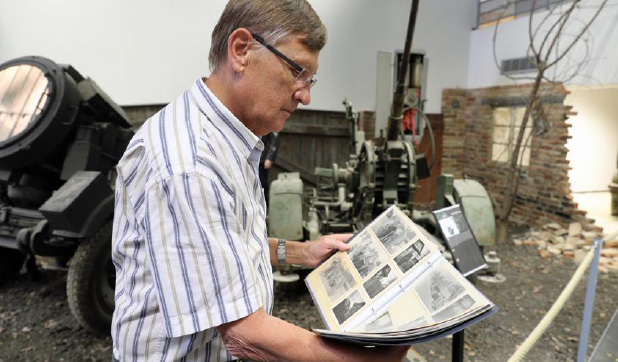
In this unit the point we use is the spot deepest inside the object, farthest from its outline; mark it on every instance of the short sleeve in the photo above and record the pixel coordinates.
(200, 266)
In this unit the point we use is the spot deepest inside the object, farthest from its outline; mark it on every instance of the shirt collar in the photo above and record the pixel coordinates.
(222, 118)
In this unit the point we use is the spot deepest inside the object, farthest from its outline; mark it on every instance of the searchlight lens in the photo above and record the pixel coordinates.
(24, 91)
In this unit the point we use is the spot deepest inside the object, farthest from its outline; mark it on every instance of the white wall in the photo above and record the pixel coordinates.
(594, 147)
(148, 51)
(359, 29)
(139, 51)
(512, 42)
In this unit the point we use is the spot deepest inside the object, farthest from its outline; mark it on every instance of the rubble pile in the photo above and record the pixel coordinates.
(570, 242)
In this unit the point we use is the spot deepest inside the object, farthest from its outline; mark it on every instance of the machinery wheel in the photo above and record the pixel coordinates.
(91, 281)
(11, 262)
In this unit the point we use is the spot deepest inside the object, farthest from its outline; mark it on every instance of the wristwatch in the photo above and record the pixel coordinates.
(281, 251)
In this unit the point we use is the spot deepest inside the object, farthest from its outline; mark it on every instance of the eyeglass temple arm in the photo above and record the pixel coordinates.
(279, 54)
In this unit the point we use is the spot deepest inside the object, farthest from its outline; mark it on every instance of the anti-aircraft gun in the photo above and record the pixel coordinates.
(347, 198)
(60, 138)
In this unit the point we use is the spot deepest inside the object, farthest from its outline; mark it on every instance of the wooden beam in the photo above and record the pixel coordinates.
(316, 130)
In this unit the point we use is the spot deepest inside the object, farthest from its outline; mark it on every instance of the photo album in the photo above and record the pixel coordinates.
(393, 287)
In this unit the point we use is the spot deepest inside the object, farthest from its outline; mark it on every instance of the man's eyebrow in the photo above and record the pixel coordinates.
(304, 65)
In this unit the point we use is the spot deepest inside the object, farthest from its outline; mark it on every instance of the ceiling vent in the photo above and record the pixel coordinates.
(518, 65)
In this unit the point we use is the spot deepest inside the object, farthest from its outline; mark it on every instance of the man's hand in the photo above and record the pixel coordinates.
(318, 250)
(268, 164)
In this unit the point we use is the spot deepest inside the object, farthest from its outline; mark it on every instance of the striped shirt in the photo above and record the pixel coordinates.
(190, 245)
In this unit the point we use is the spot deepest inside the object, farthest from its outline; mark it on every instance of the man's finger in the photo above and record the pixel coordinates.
(339, 243)
(341, 237)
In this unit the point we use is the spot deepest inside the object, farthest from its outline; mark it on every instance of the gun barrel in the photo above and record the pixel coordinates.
(394, 120)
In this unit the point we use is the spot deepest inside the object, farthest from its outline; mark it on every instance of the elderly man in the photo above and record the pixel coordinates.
(192, 257)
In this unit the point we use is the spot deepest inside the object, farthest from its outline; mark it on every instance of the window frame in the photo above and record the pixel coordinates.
(512, 127)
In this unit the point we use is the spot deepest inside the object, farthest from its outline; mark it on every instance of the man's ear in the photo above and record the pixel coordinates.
(238, 46)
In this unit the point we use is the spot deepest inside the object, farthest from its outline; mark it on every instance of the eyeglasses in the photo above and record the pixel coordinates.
(303, 75)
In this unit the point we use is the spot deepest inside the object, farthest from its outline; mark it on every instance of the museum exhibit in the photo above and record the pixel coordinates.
(491, 126)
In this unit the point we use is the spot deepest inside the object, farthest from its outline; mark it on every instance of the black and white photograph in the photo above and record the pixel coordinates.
(392, 232)
(454, 309)
(336, 279)
(411, 256)
(366, 255)
(381, 324)
(439, 289)
(348, 307)
(379, 281)
(449, 227)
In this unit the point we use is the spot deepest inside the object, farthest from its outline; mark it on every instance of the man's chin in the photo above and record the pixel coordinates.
(278, 127)
(285, 115)
(276, 123)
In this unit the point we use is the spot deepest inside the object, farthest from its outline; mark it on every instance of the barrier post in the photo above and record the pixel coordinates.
(589, 302)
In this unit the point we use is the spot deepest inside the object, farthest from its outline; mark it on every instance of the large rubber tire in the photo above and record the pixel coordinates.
(91, 281)
(11, 262)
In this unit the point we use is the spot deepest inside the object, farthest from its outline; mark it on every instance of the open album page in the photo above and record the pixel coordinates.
(353, 288)
(440, 297)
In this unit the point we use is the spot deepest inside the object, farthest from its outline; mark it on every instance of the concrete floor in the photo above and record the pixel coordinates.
(598, 205)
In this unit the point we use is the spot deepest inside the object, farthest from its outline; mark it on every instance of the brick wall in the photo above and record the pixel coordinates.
(367, 120)
(545, 192)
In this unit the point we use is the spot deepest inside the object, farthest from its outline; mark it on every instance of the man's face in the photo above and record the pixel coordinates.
(272, 92)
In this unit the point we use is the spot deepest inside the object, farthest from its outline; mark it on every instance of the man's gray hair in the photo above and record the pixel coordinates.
(273, 20)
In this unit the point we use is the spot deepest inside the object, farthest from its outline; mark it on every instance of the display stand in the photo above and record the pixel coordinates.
(460, 240)
(458, 346)
(467, 255)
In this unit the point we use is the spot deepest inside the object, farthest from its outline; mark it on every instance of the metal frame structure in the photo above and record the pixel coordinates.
(510, 8)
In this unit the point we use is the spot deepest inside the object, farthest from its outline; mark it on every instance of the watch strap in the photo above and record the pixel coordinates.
(281, 251)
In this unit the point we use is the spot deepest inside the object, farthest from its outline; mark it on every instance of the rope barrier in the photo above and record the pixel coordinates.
(557, 306)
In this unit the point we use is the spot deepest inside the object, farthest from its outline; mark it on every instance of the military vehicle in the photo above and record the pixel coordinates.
(60, 138)
(346, 198)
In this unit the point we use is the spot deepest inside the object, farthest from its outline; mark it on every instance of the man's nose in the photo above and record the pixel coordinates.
(303, 95)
